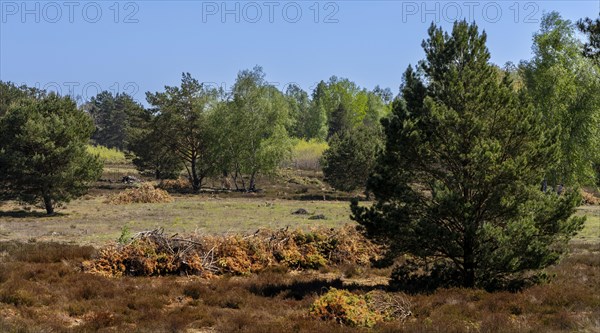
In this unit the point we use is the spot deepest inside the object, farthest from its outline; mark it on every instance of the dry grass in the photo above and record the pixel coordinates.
(145, 193)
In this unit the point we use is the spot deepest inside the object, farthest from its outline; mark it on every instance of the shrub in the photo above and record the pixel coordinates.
(145, 193)
(345, 308)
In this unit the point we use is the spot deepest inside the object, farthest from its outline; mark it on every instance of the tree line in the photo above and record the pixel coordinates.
(207, 132)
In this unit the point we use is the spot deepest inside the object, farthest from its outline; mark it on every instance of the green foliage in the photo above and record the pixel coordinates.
(43, 151)
(125, 236)
(107, 155)
(110, 114)
(591, 28)
(458, 182)
(306, 121)
(151, 150)
(10, 93)
(306, 155)
(345, 308)
(346, 105)
(564, 87)
(351, 157)
(339, 122)
(182, 119)
(252, 127)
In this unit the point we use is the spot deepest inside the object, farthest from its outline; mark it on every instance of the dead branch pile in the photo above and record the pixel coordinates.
(588, 198)
(145, 193)
(154, 253)
(175, 185)
(390, 305)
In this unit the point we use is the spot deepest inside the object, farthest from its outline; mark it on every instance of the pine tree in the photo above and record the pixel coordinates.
(10, 93)
(152, 153)
(339, 122)
(43, 156)
(591, 28)
(457, 184)
(110, 115)
(182, 120)
(350, 157)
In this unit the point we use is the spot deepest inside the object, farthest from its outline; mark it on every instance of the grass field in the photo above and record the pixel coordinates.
(591, 230)
(95, 222)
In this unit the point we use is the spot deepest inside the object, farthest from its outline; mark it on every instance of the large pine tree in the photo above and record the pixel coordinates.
(43, 156)
(457, 186)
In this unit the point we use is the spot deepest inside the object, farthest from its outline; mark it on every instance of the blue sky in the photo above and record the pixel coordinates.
(137, 46)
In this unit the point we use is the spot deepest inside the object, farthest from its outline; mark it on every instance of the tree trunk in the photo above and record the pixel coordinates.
(196, 182)
(237, 188)
(48, 205)
(243, 182)
(469, 263)
(252, 185)
(157, 174)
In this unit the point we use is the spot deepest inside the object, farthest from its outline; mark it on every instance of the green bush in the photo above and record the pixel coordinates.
(345, 308)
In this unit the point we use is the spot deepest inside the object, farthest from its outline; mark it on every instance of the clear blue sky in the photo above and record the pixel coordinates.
(140, 46)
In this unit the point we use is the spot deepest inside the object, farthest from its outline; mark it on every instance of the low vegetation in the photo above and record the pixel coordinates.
(43, 289)
(365, 310)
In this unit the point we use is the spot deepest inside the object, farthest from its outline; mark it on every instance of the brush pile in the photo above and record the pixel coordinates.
(154, 253)
(179, 185)
(145, 193)
(588, 198)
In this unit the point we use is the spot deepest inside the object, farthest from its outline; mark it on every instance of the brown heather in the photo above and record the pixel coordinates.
(42, 289)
